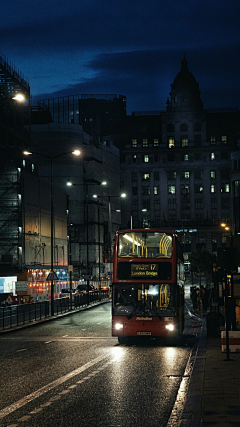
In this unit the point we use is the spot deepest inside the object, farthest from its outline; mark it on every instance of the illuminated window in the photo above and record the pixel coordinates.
(171, 189)
(185, 189)
(145, 176)
(145, 143)
(184, 157)
(170, 142)
(225, 188)
(184, 175)
(134, 143)
(213, 139)
(134, 158)
(198, 188)
(33, 167)
(156, 142)
(146, 221)
(24, 163)
(224, 139)
(213, 174)
(155, 189)
(184, 141)
(212, 156)
(146, 158)
(213, 188)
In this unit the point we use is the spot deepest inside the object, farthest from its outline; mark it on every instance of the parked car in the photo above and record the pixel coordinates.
(83, 289)
(65, 293)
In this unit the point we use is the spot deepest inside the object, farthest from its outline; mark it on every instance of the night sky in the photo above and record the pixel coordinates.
(127, 47)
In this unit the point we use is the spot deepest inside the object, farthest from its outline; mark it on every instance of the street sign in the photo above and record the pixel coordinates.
(52, 276)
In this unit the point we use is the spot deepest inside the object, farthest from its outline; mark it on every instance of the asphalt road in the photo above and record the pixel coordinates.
(71, 372)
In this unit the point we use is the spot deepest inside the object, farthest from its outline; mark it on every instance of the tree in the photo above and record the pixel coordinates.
(201, 262)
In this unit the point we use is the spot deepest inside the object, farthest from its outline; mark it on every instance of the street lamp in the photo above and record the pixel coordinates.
(19, 97)
(122, 195)
(86, 184)
(52, 275)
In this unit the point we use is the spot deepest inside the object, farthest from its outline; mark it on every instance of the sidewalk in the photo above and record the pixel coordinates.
(213, 394)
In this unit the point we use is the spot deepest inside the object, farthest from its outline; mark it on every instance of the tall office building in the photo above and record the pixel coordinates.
(176, 166)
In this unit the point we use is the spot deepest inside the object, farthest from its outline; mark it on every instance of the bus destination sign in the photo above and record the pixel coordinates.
(144, 270)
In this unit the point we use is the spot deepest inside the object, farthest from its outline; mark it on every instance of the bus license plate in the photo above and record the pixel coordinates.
(144, 333)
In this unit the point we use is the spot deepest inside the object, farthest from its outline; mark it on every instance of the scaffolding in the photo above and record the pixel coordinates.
(15, 123)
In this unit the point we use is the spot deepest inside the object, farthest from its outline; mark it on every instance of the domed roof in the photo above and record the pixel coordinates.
(184, 78)
(185, 94)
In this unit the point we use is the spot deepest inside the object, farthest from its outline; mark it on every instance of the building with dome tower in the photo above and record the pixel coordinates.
(176, 167)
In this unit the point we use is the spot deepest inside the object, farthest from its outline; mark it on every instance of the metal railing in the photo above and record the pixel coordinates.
(16, 315)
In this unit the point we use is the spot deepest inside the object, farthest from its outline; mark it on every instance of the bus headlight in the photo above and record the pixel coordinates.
(118, 326)
(170, 327)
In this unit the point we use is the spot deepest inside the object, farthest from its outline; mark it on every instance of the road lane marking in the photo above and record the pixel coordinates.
(9, 409)
(25, 418)
(22, 349)
(35, 411)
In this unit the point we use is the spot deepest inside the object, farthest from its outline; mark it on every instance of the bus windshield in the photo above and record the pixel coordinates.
(144, 299)
(145, 244)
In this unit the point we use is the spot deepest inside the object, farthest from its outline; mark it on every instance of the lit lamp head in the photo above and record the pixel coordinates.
(76, 152)
(19, 97)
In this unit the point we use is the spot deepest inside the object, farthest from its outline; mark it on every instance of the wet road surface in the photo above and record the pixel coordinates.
(71, 372)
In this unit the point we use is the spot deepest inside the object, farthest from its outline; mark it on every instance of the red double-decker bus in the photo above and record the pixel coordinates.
(147, 284)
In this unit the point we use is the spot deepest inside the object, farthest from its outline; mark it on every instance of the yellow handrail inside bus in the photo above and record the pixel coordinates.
(133, 243)
(164, 245)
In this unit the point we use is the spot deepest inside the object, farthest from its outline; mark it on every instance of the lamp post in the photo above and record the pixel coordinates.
(109, 197)
(86, 184)
(52, 275)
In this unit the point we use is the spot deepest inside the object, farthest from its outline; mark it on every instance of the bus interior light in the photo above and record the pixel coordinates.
(170, 327)
(118, 326)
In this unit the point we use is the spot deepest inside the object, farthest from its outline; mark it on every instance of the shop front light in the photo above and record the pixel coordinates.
(118, 326)
(170, 327)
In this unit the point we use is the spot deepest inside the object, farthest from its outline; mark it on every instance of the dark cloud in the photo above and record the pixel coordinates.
(130, 47)
(145, 77)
